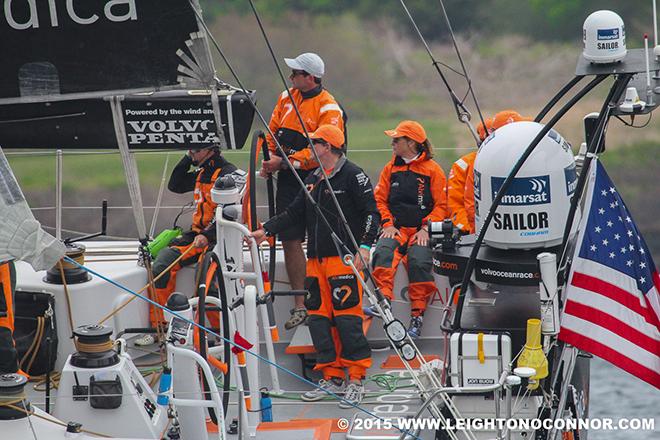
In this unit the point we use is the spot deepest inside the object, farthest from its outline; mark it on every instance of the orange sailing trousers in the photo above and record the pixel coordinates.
(334, 304)
(418, 261)
(167, 283)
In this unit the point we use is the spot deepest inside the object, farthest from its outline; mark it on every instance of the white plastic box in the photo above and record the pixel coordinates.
(467, 370)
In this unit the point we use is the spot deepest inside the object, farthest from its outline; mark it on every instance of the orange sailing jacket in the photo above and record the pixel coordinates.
(317, 107)
(458, 194)
(408, 195)
(200, 181)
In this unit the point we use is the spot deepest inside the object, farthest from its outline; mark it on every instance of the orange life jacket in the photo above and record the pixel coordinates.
(204, 205)
(317, 107)
(458, 193)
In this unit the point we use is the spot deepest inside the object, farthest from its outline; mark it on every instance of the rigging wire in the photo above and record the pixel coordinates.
(462, 113)
(326, 179)
(460, 59)
(224, 152)
(337, 242)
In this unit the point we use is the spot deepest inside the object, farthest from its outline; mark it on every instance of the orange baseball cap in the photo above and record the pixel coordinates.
(410, 129)
(330, 134)
(484, 132)
(506, 117)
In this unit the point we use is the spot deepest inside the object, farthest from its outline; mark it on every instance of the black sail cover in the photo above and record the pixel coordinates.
(63, 59)
(54, 48)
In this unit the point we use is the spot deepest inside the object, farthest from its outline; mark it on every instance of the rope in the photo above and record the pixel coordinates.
(127, 302)
(40, 381)
(151, 291)
(36, 342)
(41, 326)
(66, 292)
(94, 348)
(48, 419)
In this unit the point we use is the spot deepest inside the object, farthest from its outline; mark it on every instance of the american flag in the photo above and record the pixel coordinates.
(612, 302)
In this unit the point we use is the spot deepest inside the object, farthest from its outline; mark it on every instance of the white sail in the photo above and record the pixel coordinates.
(21, 236)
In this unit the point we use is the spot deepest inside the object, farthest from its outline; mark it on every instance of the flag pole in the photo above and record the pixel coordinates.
(569, 365)
(615, 93)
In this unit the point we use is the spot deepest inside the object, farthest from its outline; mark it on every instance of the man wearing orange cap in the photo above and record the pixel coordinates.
(460, 185)
(334, 302)
(317, 107)
(409, 194)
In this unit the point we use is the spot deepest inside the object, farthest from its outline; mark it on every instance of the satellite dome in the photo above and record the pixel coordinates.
(604, 37)
(533, 212)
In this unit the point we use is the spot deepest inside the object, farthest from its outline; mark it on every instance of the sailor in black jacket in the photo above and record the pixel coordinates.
(335, 295)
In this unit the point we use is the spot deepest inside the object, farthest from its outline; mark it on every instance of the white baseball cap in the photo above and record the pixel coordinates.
(309, 62)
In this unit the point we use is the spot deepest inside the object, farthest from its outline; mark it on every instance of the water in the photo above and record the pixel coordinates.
(617, 394)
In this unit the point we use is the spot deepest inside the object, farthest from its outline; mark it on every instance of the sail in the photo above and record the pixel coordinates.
(67, 49)
(21, 236)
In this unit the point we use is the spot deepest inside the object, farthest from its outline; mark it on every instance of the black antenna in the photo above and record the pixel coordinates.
(104, 224)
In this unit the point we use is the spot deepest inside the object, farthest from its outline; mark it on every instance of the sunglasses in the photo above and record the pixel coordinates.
(298, 72)
(319, 142)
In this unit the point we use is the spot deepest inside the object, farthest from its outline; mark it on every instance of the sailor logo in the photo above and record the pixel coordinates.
(609, 38)
(524, 191)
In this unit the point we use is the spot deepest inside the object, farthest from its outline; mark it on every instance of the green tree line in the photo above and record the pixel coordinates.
(542, 20)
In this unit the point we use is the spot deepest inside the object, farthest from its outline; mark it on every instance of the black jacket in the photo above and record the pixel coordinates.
(355, 194)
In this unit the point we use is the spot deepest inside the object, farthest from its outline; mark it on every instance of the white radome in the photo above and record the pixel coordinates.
(604, 37)
(534, 210)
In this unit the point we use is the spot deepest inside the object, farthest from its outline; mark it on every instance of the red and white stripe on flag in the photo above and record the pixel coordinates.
(612, 300)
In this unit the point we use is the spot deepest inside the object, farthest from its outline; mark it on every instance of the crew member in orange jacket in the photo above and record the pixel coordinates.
(197, 171)
(335, 294)
(8, 355)
(317, 107)
(460, 186)
(456, 184)
(410, 192)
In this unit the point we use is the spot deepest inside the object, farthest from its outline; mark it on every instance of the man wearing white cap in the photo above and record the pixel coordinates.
(317, 107)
